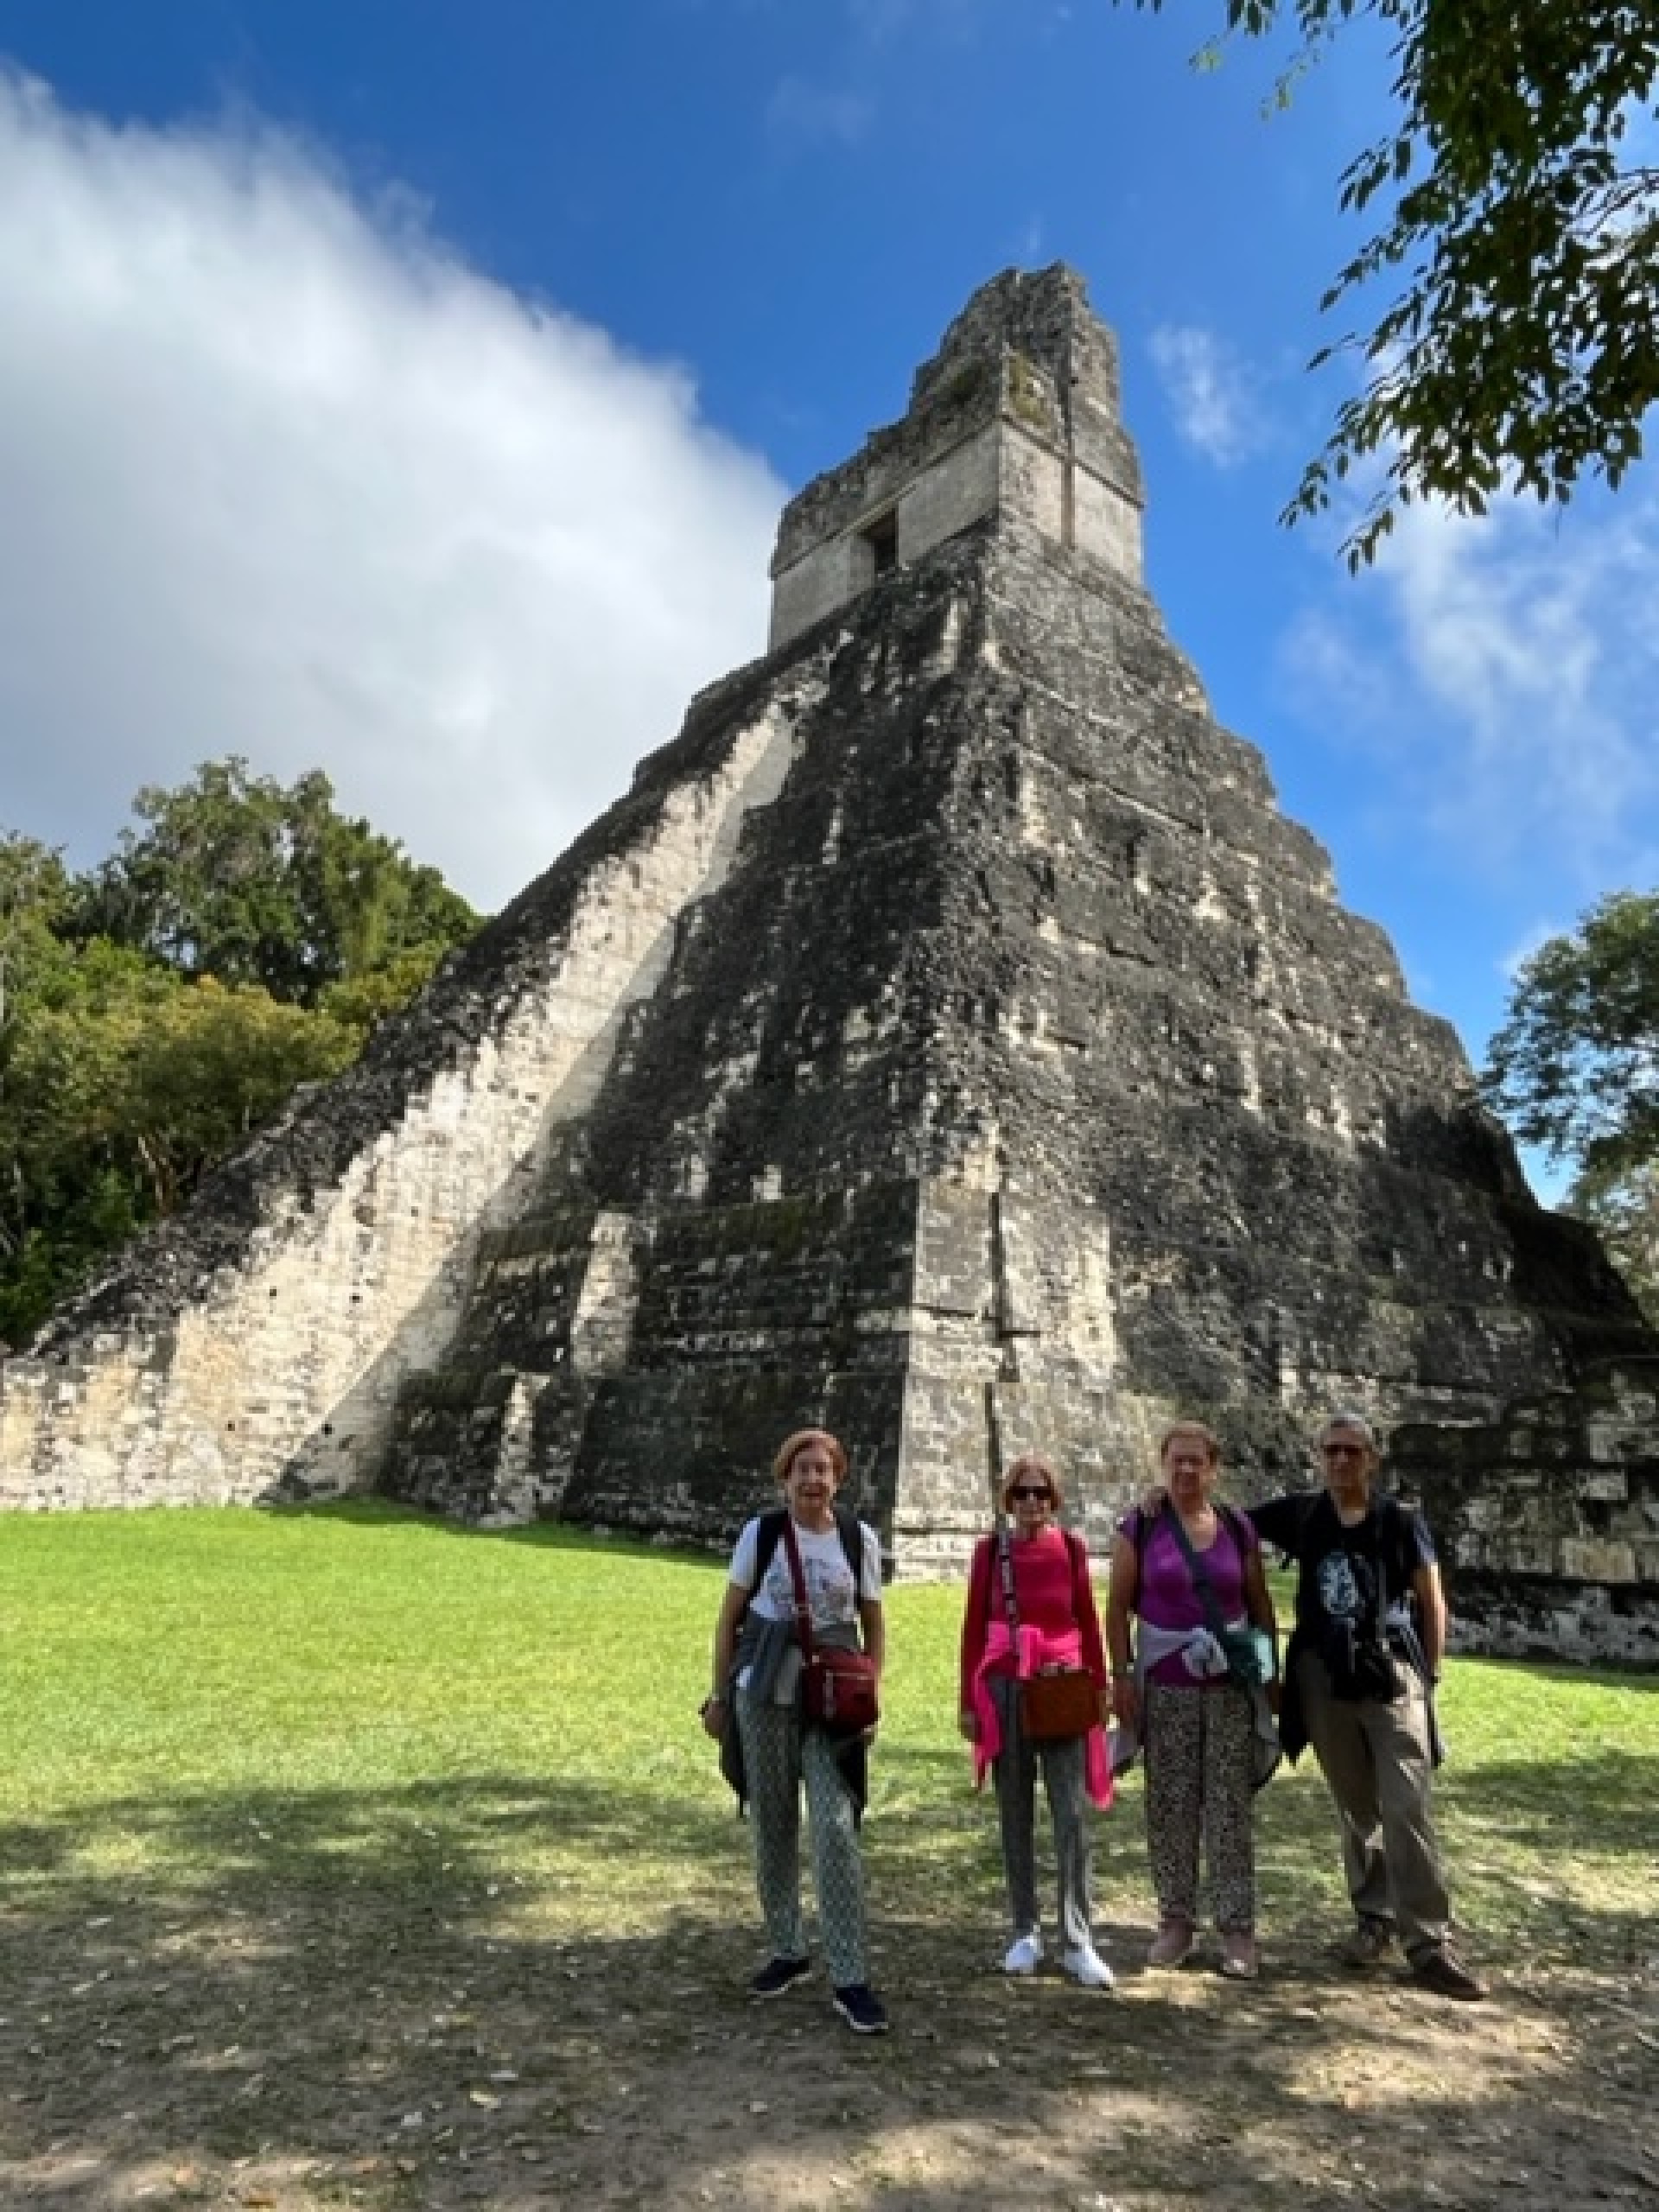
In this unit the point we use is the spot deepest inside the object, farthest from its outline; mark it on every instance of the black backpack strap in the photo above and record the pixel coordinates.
(769, 1535)
(852, 1543)
(1144, 1525)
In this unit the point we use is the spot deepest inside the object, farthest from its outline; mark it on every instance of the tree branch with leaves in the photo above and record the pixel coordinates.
(1516, 349)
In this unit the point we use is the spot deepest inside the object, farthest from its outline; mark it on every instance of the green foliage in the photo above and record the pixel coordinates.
(1575, 1067)
(361, 1002)
(121, 1096)
(239, 878)
(157, 1012)
(34, 898)
(1576, 1070)
(1517, 348)
(1624, 1209)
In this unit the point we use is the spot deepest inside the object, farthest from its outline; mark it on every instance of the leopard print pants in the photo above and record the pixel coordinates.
(1197, 1757)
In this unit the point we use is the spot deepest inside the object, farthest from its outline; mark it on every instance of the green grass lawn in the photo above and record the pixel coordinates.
(214, 1703)
(346, 1858)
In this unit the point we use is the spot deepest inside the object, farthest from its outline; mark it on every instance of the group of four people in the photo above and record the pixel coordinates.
(1186, 1675)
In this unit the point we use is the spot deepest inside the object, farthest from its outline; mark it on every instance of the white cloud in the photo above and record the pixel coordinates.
(1211, 394)
(1509, 666)
(279, 475)
(800, 115)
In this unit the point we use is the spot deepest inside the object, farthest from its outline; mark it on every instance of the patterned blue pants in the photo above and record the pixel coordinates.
(781, 1758)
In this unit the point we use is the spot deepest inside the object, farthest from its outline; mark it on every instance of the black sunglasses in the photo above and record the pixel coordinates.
(1026, 1490)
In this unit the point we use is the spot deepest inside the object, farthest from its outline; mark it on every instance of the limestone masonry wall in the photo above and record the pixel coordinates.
(1548, 1519)
(948, 1040)
(1016, 416)
(265, 1339)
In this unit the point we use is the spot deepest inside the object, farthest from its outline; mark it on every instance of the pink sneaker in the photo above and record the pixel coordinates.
(1239, 1960)
(1172, 1944)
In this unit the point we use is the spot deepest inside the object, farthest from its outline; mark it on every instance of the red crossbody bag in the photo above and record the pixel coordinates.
(838, 1686)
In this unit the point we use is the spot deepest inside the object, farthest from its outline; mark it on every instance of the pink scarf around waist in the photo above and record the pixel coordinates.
(1035, 1651)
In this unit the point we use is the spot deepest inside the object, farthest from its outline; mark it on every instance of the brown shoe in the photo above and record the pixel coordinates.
(1239, 1960)
(1369, 1946)
(1171, 1945)
(1446, 1976)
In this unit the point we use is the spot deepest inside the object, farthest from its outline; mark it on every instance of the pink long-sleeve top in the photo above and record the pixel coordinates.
(1059, 1626)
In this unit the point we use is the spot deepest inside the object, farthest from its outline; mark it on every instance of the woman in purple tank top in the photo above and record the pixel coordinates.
(1195, 1721)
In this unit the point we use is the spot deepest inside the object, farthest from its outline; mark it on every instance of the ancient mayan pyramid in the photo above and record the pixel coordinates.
(949, 1007)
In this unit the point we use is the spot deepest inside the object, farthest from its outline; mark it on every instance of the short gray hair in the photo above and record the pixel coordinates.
(1356, 1424)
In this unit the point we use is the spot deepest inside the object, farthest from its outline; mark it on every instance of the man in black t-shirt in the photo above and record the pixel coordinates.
(1363, 1661)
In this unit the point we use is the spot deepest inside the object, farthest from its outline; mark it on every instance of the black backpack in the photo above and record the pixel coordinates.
(770, 1534)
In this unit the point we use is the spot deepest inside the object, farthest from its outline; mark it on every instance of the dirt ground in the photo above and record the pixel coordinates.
(348, 2051)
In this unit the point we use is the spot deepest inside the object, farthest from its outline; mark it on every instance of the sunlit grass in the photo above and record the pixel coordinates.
(201, 1698)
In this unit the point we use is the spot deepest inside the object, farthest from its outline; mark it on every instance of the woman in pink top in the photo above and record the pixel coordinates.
(1057, 1625)
(1196, 1724)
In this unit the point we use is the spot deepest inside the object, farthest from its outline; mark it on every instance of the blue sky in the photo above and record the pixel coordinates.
(410, 387)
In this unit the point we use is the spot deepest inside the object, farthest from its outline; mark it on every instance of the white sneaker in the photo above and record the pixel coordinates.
(1025, 1955)
(1087, 1969)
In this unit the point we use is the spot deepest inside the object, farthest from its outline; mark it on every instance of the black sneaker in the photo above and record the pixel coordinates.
(778, 1975)
(1446, 1976)
(1369, 1946)
(862, 2009)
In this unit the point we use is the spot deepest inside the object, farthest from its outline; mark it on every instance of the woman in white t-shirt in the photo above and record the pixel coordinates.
(757, 1663)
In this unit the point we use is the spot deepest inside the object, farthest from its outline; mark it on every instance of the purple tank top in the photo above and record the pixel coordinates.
(1167, 1597)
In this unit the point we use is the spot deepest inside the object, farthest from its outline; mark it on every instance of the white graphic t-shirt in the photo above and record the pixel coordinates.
(831, 1594)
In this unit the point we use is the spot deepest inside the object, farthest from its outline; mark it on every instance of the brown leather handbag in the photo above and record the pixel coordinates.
(1057, 1703)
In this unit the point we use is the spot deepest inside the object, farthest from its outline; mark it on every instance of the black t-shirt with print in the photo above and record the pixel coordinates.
(1337, 1569)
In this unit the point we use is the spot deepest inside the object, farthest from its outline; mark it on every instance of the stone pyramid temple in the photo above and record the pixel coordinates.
(947, 1039)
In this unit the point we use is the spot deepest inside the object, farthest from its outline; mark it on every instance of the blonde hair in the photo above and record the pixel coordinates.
(792, 1447)
(1207, 1437)
(1032, 1462)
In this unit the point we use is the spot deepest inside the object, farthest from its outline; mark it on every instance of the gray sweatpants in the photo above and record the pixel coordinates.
(1376, 1759)
(1065, 1785)
(781, 1759)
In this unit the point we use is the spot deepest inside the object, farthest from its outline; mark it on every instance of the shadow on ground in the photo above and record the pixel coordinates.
(334, 1996)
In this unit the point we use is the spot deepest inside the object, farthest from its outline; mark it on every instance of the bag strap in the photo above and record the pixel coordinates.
(1005, 1567)
(1075, 1553)
(796, 1575)
(770, 1532)
(1202, 1584)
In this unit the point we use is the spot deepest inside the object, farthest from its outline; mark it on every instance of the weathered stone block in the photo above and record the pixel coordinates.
(946, 1039)
(1589, 1561)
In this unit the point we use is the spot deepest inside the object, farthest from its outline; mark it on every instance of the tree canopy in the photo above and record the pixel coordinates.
(1575, 1070)
(239, 878)
(1517, 256)
(158, 1010)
